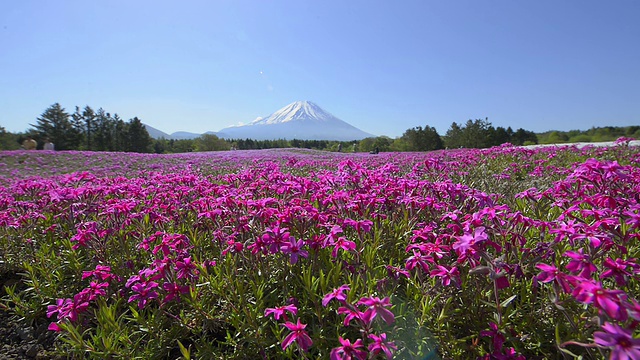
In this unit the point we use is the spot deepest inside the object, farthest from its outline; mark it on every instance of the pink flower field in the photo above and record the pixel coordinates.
(502, 253)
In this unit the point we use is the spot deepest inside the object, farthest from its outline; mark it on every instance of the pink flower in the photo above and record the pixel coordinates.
(174, 291)
(61, 306)
(418, 260)
(344, 244)
(621, 342)
(294, 247)
(377, 307)
(581, 263)
(551, 273)
(337, 294)
(101, 273)
(606, 300)
(381, 345)
(298, 334)
(348, 351)
(446, 275)
(616, 269)
(281, 311)
(468, 240)
(496, 336)
(360, 226)
(145, 291)
(352, 313)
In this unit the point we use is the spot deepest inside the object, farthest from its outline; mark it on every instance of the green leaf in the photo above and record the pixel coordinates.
(508, 301)
(186, 353)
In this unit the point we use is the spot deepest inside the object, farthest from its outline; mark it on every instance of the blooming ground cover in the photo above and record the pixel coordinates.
(504, 253)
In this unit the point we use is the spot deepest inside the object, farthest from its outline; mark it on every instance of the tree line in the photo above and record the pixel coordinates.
(85, 129)
(98, 130)
(595, 134)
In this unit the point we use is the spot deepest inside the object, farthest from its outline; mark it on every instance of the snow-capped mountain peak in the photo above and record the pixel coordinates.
(299, 110)
(302, 120)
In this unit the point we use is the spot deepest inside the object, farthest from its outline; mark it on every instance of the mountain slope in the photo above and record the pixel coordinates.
(155, 133)
(302, 120)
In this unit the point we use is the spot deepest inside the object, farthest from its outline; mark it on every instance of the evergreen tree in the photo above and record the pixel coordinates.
(453, 138)
(89, 116)
(55, 125)
(120, 134)
(102, 131)
(139, 139)
(78, 124)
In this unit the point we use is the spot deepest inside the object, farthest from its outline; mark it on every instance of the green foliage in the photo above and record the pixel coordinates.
(481, 134)
(210, 142)
(8, 141)
(54, 124)
(419, 139)
(595, 134)
(139, 139)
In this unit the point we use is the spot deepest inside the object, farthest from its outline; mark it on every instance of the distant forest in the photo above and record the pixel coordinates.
(98, 130)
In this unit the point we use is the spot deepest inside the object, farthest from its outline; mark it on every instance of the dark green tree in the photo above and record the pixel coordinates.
(139, 139)
(120, 134)
(454, 137)
(78, 124)
(419, 139)
(8, 140)
(522, 136)
(103, 131)
(89, 118)
(210, 142)
(54, 124)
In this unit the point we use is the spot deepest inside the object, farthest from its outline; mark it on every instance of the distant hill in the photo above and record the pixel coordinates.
(181, 135)
(155, 133)
(178, 135)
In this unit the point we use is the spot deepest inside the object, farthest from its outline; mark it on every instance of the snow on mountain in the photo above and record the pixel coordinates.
(299, 110)
(302, 120)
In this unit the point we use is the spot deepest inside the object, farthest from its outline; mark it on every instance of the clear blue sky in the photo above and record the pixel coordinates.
(383, 66)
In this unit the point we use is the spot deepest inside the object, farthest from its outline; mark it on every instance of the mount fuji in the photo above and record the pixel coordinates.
(301, 120)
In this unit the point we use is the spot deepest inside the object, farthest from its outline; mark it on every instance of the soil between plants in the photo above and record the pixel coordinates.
(23, 341)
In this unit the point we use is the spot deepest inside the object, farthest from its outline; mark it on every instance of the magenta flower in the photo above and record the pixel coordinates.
(621, 342)
(551, 273)
(294, 247)
(186, 269)
(54, 327)
(348, 351)
(174, 291)
(446, 275)
(609, 301)
(497, 338)
(281, 311)
(62, 306)
(145, 291)
(101, 273)
(377, 307)
(616, 269)
(381, 345)
(337, 294)
(581, 263)
(352, 313)
(468, 240)
(418, 260)
(360, 226)
(96, 289)
(344, 244)
(298, 334)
